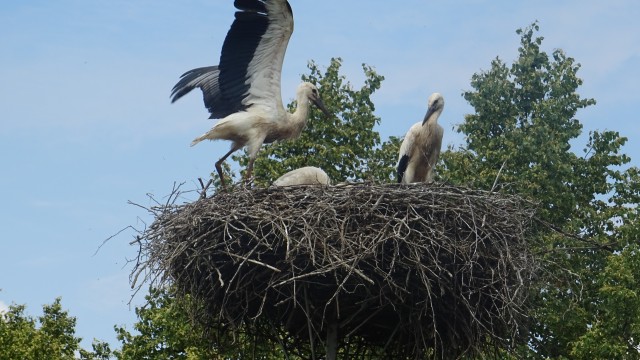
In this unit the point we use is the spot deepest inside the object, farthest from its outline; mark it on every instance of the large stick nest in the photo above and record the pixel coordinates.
(407, 268)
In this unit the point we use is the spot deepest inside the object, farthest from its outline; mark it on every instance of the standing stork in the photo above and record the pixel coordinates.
(243, 91)
(420, 148)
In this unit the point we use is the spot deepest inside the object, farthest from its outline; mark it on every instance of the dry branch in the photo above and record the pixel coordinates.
(413, 269)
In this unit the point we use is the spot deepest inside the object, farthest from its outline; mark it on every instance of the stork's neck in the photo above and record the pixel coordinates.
(432, 118)
(298, 119)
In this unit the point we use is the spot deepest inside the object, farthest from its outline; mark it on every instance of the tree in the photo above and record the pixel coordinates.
(519, 141)
(346, 146)
(16, 334)
(615, 332)
(522, 127)
(165, 331)
(54, 338)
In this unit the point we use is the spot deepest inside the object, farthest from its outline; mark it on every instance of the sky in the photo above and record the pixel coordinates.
(86, 125)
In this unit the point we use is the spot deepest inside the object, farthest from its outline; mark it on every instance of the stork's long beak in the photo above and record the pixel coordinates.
(430, 112)
(318, 102)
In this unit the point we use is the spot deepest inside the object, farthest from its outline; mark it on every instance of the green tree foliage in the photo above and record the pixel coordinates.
(165, 330)
(615, 329)
(519, 141)
(346, 146)
(17, 332)
(523, 123)
(51, 336)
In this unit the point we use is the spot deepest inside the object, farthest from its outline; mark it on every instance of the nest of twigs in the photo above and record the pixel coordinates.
(417, 271)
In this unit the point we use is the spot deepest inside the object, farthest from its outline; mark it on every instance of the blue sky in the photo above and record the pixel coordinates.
(86, 122)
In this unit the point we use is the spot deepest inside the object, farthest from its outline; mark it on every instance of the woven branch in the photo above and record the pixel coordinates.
(413, 269)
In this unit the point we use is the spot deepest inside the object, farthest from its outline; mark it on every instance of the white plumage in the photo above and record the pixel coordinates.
(421, 146)
(308, 175)
(244, 89)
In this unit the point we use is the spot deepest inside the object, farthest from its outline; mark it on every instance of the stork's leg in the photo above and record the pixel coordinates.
(252, 150)
(247, 175)
(219, 166)
(219, 170)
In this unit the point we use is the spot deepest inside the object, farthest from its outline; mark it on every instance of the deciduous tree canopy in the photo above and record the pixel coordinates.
(519, 140)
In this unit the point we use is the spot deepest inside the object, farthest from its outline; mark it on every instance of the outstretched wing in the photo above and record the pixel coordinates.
(205, 78)
(250, 63)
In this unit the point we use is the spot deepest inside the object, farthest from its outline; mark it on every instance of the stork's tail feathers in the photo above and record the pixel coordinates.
(198, 139)
(205, 78)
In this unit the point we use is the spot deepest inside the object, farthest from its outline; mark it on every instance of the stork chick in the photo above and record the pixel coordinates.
(308, 175)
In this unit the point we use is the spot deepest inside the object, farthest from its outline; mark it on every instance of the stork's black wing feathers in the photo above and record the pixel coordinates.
(237, 52)
(251, 5)
(205, 78)
(227, 86)
(402, 167)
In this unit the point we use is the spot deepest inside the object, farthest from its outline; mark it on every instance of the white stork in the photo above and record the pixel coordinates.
(244, 89)
(420, 148)
(308, 175)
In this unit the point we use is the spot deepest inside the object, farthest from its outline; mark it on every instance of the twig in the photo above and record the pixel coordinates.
(203, 191)
(495, 182)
